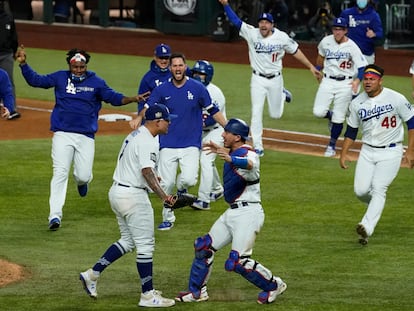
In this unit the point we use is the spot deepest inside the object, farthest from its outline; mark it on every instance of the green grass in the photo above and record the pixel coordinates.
(308, 237)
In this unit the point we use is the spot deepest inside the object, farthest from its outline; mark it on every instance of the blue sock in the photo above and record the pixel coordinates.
(114, 252)
(328, 115)
(335, 132)
(145, 273)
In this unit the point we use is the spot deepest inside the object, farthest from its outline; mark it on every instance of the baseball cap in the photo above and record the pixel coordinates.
(340, 22)
(162, 50)
(266, 16)
(373, 70)
(159, 112)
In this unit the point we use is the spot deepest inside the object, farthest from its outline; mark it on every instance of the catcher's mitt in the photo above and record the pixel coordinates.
(181, 200)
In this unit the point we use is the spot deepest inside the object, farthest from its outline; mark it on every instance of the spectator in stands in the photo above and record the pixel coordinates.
(320, 24)
(61, 10)
(364, 27)
(280, 11)
(8, 48)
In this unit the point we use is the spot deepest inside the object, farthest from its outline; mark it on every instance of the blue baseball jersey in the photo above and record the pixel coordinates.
(6, 91)
(187, 102)
(358, 22)
(77, 103)
(153, 78)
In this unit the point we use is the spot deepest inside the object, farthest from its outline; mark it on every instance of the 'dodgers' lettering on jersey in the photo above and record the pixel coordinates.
(374, 112)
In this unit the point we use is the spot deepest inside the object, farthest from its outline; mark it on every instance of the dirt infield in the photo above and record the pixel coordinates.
(35, 114)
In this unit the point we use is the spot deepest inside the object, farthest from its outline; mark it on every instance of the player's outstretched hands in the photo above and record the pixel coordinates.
(222, 152)
(409, 158)
(343, 158)
(21, 55)
(4, 112)
(224, 2)
(144, 96)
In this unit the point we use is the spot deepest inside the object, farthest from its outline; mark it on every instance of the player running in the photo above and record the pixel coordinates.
(380, 113)
(343, 65)
(267, 47)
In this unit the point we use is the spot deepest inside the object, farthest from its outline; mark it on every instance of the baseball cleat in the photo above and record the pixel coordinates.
(201, 205)
(83, 190)
(270, 296)
(260, 152)
(14, 115)
(153, 298)
(190, 297)
(165, 225)
(215, 196)
(89, 285)
(330, 152)
(54, 224)
(363, 235)
(288, 95)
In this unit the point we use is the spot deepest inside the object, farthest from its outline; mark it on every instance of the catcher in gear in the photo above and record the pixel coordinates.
(238, 225)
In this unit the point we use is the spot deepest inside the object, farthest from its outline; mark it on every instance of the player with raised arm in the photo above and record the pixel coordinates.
(380, 112)
(343, 66)
(267, 47)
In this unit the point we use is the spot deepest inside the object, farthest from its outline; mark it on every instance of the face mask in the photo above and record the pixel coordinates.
(77, 79)
(362, 4)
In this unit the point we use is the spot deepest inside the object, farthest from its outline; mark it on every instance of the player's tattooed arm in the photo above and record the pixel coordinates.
(153, 182)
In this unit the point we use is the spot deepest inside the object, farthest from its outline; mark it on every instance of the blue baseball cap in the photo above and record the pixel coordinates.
(340, 22)
(266, 16)
(162, 50)
(159, 112)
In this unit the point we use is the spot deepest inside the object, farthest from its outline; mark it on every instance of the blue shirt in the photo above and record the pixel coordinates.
(77, 104)
(358, 22)
(187, 102)
(6, 91)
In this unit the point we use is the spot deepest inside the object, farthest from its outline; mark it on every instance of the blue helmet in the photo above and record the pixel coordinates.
(204, 67)
(238, 127)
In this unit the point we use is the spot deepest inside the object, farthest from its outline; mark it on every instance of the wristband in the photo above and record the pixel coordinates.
(239, 161)
(318, 67)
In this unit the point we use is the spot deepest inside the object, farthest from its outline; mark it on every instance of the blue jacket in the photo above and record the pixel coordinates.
(77, 105)
(6, 91)
(358, 22)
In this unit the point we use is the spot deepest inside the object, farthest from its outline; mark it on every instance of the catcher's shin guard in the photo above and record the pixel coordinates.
(251, 270)
(200, 269)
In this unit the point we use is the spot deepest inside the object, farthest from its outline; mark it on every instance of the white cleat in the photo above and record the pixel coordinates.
(330, 152)
(189, 296)
(269, 297)
(89, 285)
(153, 299)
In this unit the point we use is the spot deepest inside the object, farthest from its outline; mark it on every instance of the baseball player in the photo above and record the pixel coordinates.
(343, 66)
(79, 94)
(6, 94)
(238, 225)
(134, 175)
(412, 78)
(186, 98)
(365, 27)
(210, 187)
(267, 47)
(380, 113)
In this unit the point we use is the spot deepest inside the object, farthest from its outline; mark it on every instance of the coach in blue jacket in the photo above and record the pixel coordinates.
(74, 120)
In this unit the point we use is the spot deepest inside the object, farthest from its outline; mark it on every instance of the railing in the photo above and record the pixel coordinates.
(398, 28)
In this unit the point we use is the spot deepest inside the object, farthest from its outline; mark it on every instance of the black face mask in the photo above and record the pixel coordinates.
(77, 79)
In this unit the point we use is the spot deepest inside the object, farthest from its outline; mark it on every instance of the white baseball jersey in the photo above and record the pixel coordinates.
(380, 117)
(210, 181)
(340, 59)
(266, 54)
(412, 68)
(140, 150)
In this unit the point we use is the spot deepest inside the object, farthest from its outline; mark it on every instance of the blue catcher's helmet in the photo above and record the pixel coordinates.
(238, 127)
(203, 67)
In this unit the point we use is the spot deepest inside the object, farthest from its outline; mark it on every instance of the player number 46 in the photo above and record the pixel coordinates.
(389, 122)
